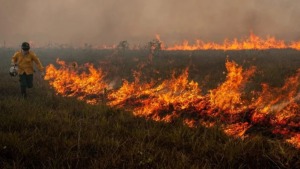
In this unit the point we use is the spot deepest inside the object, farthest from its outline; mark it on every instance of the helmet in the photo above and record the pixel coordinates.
(13, 71)
(25, 46)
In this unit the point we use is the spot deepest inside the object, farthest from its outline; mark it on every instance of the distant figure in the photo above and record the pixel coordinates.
(24, 59)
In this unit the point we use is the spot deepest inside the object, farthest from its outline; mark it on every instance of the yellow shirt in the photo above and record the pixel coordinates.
(25, 62)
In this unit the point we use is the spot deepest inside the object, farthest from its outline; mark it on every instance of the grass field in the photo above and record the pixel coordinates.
(50, 131)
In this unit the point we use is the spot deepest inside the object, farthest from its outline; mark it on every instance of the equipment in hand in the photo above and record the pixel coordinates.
(13, 71)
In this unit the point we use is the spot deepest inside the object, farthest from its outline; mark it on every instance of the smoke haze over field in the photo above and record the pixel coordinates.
(77, 22)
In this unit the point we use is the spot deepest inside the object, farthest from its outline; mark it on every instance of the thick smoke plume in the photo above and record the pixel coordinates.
(77, 22)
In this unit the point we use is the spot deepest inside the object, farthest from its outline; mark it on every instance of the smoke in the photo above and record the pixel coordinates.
(110, 21)
(278, 107)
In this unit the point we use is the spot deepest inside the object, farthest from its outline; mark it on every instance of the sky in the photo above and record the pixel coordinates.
(96, 22)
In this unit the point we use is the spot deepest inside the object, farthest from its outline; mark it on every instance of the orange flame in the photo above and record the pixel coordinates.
(278, 99)
(251, 42)
(280, 107)
(68, 81)
(237, 129)
(275, 109)
(174, 94)
(295, 140)
(227, 96)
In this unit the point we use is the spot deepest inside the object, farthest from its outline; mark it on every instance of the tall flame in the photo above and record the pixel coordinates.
(227, 96)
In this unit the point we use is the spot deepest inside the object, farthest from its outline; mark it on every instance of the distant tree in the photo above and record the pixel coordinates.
(155, 47)
(87, 46)
(122, 47)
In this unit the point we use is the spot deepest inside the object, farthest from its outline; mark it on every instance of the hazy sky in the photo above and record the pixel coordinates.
(138, 21)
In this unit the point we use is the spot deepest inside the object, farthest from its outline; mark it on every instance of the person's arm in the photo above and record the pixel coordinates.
(37, 62)
(14, 59)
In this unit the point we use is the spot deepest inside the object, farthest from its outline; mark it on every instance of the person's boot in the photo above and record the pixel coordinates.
(23, 92)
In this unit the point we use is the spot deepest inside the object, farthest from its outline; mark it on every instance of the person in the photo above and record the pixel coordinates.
(24, 60)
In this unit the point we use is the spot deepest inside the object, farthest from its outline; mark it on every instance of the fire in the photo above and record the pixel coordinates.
(172, 95)
(227, 96)
(68, 81)
(251, 42)
(237, 129)
(295, 45)
(280, 101)
(280, 108)
(180, 98)
(295, 140)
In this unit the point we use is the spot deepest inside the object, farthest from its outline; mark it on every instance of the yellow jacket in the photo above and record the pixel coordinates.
(25, 62)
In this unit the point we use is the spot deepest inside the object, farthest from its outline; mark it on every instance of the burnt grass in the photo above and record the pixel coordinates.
(50, 131)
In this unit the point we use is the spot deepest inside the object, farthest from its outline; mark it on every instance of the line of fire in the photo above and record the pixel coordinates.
(273, 110)
(253, 41)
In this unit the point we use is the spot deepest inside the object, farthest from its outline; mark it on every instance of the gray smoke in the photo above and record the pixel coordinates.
(110, 21)
(279, 106)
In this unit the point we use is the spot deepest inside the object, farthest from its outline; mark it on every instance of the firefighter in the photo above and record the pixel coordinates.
(23, 60)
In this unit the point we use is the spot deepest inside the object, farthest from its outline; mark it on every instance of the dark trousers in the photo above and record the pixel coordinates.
(26, 81)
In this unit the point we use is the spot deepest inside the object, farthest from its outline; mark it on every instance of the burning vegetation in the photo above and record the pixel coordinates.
(273, 112)
(251, 42)
(70, 81)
